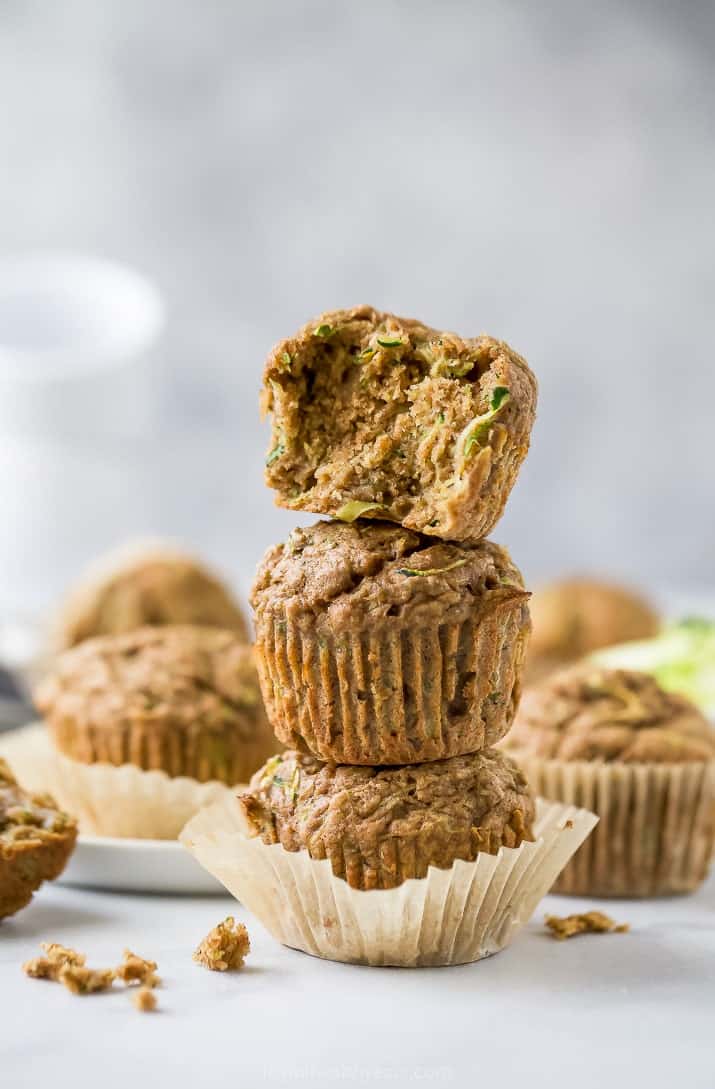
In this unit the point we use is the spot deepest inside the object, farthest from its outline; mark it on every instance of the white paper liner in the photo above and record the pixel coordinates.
(656, 834)
(107, 800)
(451, 916)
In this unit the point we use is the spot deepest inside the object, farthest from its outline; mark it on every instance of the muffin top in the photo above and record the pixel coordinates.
(347, 576)
(379, 826)
(168, 677)
(28, 818)
(146, 585)
(372, 412)
(573, 617)
(590, 713)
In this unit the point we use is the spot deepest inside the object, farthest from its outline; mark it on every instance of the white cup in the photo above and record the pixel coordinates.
(78, 389)
(75, 332)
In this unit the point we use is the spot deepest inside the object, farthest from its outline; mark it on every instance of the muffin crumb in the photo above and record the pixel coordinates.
(587, 922)
(81, 980)
(225, 947)
(144, 999)
(135, 969)
(56, 958)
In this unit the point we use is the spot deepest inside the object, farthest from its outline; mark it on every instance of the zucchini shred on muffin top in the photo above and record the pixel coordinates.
(379, 646)
(379, 415)
(380, 826)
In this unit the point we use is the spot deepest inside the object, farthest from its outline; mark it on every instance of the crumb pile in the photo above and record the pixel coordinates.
(67, 966)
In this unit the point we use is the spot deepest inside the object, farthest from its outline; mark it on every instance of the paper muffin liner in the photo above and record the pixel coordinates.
(452, 916)
(107, 800)
(391, 695)
(656, 831)
(217, 756)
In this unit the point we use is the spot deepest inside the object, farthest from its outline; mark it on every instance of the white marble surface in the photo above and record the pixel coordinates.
(619, 1010)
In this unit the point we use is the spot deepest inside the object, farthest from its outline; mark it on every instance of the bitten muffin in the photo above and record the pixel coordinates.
(573, 617)
(36, 840)
(381, 826)
(379, 646)
(643, 759)
(148, 585)
(380, 415)
(184, 700)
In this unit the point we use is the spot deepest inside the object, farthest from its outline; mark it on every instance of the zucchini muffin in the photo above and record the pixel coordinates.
(148, 585)
(380, 826)
(574, 617)
(36, 840)
(380, 415)
(379, 646)
(642, 758)
(183, 700)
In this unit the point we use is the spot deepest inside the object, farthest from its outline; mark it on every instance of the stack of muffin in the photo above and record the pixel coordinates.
(391, 640)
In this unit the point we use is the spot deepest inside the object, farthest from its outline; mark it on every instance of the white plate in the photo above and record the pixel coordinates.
(137, 865)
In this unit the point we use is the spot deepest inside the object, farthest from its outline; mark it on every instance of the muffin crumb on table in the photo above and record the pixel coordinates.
(135, 969)
(586, 922)
(56, 958)
(225, 947)
(144, 999)
(81, 980)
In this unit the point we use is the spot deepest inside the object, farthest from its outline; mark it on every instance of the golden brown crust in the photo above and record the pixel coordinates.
(147, 585)
(371, 408)
(181, 699)
(590, 713)
(379, 646)
(380, 826)
(36, 840)
(576, 616)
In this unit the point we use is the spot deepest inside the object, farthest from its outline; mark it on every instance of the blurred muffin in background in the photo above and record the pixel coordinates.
(575, 616)
(643, 759)
(145, 728)
(146, 584)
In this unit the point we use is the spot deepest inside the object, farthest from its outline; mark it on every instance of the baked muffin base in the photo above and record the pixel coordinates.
(452, 916)
(656, 831)
(394, 697)
(119, 801)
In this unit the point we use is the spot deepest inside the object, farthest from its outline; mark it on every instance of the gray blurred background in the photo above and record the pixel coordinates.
(544, 173)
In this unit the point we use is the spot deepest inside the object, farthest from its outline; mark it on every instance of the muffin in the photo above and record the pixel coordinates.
(183, 700)
(379, 646)
(439, 863)
(380, 826)
(573, 617)
(146, 585)
(377, 414)
(36, 840)
(642, 758)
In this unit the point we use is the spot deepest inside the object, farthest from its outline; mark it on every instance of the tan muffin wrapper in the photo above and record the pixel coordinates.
(392, 695)
(452, 916)
(218, 757)
(656, 831)
(107, 800)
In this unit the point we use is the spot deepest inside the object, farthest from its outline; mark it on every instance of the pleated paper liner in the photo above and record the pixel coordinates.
(392, 695)
(656, 831)
(452, 916)
(107, 800)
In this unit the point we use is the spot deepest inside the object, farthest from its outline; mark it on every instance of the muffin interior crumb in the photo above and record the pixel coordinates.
(587, 922)
(383, 415)
(144, 999)
(225, 947)
(137, 970)
(81, 980)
